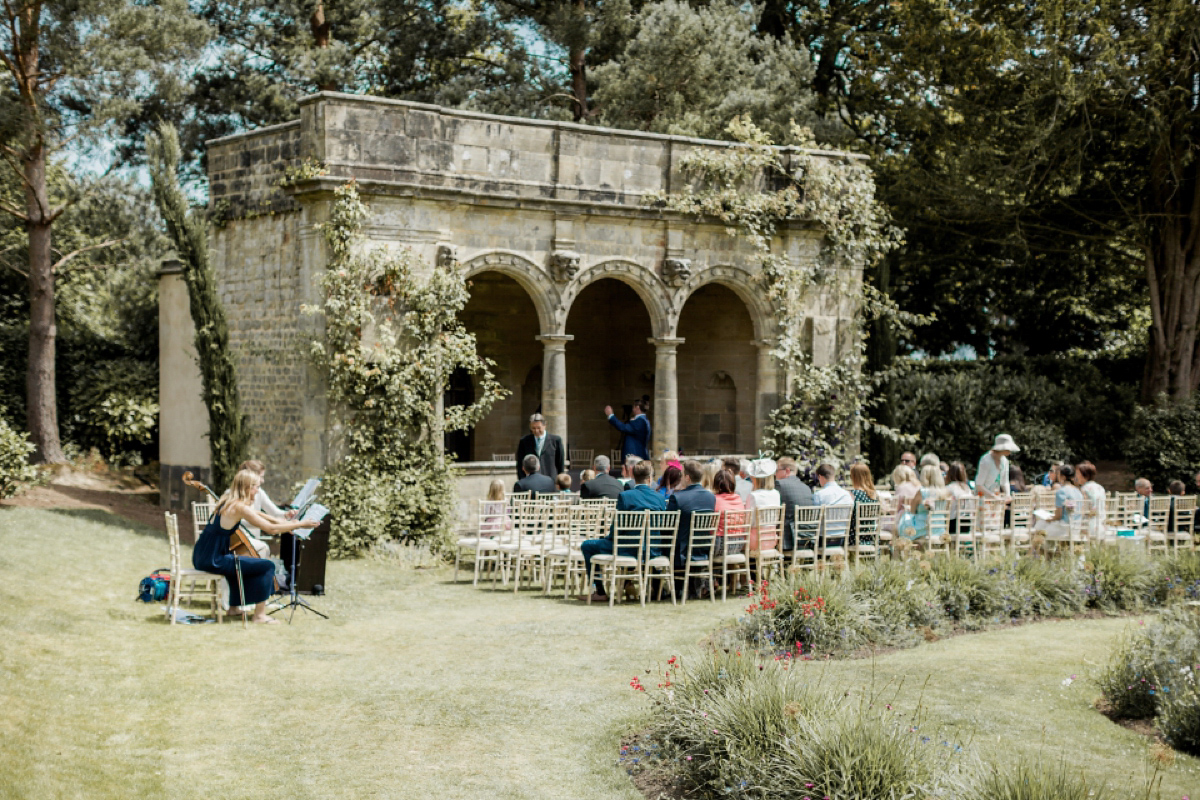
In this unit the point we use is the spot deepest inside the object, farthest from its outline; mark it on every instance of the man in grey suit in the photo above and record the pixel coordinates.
(793, 492)
(546, 446)
(534, 481)
(604, 484)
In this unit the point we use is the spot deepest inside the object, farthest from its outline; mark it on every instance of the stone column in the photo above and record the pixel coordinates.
(554, 384)
(664, 434)
(766, 397)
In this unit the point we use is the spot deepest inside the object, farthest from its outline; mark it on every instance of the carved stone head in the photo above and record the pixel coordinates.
(447, 256)
(564, 265)
(676, 271)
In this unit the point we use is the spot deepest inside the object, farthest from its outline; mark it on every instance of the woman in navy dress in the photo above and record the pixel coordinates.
(212, 554)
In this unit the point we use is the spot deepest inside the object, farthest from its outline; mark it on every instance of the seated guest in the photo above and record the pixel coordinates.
(212, 553)
(904, 487)
(586, 476)
(1174, 489)
(563, 482)
(1145, 488)
(917, 523)
(1016, 479)
(726, 499)
(909, 460)
(959, 489)
(534, 481)
(764, 494)
(640, 498)
(495, 514)
(601, 484)
(931, 460)
(670, 480)
(830, 494)
(710, 472)
(689, 498)
(627, 471)
(265, 506)
(863, 485)
(1067, 501)
(1085, 479)
(793, 493)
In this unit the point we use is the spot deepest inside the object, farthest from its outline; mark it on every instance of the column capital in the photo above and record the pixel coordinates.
(551, 339)
(767, 342)
(664, 342)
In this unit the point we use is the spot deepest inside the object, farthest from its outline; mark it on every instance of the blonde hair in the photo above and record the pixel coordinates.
(860, 478)
(765, 483)
(903, 474)
(587, 475)
(931, 477)
(710, 473)
(254, 466)
(495, 490)
(245, 485)
(563, 481)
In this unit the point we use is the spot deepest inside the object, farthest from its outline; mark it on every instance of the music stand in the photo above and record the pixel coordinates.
(296, 600)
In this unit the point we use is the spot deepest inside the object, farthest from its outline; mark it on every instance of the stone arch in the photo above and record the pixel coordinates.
(641, 279)
(528, 275)
(742, 283)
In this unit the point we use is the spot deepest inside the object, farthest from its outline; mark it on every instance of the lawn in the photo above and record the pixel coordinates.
(420, 688)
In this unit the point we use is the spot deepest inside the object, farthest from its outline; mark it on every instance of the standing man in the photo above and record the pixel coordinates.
(991, 479)
(603, 485)
(546, 446)
(635, 439)
(793, 492)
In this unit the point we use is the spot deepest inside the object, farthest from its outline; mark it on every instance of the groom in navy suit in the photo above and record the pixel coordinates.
(640, 498)
(636, 439)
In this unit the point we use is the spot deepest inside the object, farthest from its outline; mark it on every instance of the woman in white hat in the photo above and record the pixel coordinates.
(991, 479)
(764, 494)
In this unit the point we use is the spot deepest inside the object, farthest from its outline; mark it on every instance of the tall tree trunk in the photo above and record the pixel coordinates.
(41, 409)
(577, 64)
(1172, 257)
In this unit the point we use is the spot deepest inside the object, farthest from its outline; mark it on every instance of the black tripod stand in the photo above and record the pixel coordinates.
(296, 600)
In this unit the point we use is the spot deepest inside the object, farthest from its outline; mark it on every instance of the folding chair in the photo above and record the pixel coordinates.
(624, 563)
(835, 534)
(766, 554)
(731, 552)
(866, 530)
(662, 528)
(806, 529)
(699, 555)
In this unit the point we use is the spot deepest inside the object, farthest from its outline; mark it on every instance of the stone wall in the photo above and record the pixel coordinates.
(244, 171)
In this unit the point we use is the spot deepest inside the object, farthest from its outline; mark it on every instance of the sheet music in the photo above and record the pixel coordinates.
(306, 493)
(315, 513)
(1043, 514)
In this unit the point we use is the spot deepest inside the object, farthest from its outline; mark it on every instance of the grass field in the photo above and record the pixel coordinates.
(420, 688)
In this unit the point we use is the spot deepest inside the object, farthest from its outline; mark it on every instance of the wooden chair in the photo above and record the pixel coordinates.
(1156, 533)
(511, 457)
(938, 538)
(699, 555)
(1021, 511)
(191, 583)
(513, 497)
(662, 528)
(586, 522)
(580, 458)
(521, 552)
(965, 517)
(624, 564)
(615, 457)
(731, 558)
(864, 544)
(806, 531)
(492, 523)
(990, 531)
(835, 535)
(201, 513)
(1182, 533)
(767, 553)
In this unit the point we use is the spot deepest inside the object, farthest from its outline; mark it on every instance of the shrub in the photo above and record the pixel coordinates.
(1177, 577)
(1152, 664)
(1118, 579)
(822, 614)
(115, 407)
(15, 470)
(1164, 442)
(967, 589)
(902, 601)
(1052, 591)
(1033, 781)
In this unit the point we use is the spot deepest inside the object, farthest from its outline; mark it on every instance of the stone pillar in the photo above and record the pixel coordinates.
(664, 434)
(766, 397)
(554, 384)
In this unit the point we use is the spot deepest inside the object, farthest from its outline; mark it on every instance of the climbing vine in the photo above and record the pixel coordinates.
(391, 341)
(753, 190)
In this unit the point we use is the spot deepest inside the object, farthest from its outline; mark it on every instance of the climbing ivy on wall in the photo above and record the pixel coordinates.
(228, 431)
(753, 190)
(391, 341)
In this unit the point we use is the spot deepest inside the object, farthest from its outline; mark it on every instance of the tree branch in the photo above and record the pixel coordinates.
(5, 207)
(111, 242)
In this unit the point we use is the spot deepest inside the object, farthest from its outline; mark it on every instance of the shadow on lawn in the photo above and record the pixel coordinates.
(110, 519)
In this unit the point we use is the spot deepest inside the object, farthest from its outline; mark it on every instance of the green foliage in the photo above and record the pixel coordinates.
(688, 69)
(1153, 671)
(392, 340)
(1164, 442)
(1037, 780)
(1119, 579)
(228, 432)
(1051, 590)
(15, 470)
(1054, 409)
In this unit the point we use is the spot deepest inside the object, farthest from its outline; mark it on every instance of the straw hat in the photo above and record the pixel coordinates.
(1005, 442)
(762, 468)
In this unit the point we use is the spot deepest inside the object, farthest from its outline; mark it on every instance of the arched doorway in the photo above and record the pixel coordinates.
(505, 324)
(609, 362)
(717, 365)
(459, 445)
